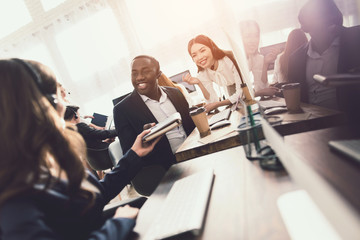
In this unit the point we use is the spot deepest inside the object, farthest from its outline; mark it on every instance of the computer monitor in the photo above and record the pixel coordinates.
(178, 79)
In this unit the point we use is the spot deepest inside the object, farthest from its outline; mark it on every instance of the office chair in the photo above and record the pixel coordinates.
(148, 179)
(115, 151)
(99, 159)
(119, 99)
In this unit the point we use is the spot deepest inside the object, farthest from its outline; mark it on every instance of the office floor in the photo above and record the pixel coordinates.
(126, 193)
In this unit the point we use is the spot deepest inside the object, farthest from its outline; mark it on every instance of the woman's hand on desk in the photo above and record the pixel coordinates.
(142, 149)
(270, 91)
(211, 106)
(126, 212)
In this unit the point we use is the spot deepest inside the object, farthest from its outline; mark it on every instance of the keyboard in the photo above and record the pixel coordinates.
(220, 116)
(184, 208)
(350, 148)
(270, 104)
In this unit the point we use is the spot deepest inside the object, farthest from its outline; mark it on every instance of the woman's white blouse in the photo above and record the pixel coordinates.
(225, 75)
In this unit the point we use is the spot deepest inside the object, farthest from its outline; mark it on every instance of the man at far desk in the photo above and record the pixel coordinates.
(332, 49)
(150, 103)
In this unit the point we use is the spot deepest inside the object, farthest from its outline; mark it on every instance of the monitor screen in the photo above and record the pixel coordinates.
(178, 79)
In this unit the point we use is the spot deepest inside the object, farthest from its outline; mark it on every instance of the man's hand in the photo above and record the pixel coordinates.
(126, 212)
(142, 149)
(109, 140)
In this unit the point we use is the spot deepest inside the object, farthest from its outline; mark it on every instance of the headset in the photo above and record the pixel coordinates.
(69, 113)
(75, 114)
(38, 81)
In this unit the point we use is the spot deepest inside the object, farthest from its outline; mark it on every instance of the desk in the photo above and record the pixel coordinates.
(243, 198)
(341, 172)
(320, 118)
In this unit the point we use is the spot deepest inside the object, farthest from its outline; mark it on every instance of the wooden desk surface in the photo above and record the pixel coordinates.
(319, 118)
(243, 199)
(341, 172)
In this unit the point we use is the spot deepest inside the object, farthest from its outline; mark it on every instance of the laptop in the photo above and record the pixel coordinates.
(338, 79)
(349, 148)
(178, 79)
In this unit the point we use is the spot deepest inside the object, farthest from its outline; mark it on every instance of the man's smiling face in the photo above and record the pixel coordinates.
(144, 74)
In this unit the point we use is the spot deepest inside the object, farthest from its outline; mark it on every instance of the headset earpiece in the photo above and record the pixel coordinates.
(52, 99)
(159, 74)
(38, 81)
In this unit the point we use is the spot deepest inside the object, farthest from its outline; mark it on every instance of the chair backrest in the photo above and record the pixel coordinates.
(99, 159)
(118, 99)
(115, 151)
(279, 47)
(147, 179)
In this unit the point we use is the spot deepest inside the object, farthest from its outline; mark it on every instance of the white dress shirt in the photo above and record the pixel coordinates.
(278, 77)
(256, 64)
(225, 75)
(161, 110)
(324, 64)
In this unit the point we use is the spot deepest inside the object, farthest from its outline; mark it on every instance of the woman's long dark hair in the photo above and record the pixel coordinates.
(215, 50)
(296, 39)
(33, 138)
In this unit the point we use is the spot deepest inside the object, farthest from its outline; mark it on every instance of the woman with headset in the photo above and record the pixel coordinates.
(45, 191)
(214, 66)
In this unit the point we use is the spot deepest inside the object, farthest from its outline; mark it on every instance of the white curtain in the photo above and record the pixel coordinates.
(90, 43)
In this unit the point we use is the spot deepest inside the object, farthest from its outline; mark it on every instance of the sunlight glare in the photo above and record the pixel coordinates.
(179, 18)
(92, 45)
(13, 15)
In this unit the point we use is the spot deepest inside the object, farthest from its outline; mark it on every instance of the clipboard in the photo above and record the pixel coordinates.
(161, 128)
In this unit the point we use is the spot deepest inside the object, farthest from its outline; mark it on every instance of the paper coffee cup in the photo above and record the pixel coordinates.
(291, 92)
(199, 117)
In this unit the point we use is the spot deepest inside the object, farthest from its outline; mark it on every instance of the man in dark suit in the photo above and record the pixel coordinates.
(94, 138)
(332, 49)
(150, 103)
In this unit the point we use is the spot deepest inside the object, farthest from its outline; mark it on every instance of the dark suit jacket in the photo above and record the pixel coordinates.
(93, 137)
(130, 116)
(349, 61)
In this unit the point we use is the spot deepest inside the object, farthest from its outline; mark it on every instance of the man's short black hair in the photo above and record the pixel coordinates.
(70, 112)
(152, 59)
(320, 10)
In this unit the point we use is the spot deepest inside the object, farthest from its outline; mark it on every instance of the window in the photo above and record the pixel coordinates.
(13, 15)
(40, 53)
(50, 4)
(159, 21)
(92, 45)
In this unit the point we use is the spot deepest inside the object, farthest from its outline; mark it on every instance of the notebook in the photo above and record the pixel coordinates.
(350, 148)
(161, 128)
